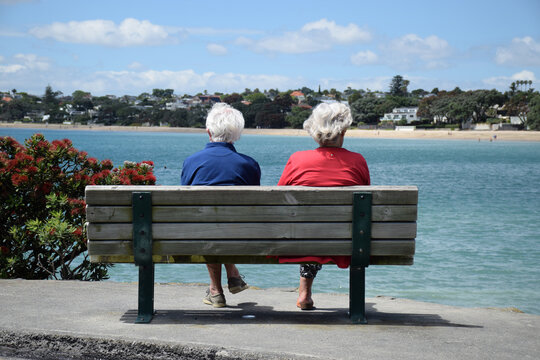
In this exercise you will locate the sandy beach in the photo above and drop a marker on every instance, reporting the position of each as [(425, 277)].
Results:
[(382, 134)]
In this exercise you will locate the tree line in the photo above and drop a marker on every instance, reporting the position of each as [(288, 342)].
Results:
[(275, 109)]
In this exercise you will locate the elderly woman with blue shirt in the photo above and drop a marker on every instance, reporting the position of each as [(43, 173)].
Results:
[(220, 164)]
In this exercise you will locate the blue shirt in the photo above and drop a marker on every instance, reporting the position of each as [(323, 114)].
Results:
[(219, 164)]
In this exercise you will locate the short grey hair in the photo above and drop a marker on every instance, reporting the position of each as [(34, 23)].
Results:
[(328, 121), (224, 123)]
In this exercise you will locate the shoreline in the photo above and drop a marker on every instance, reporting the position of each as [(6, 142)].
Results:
[(476, 135)]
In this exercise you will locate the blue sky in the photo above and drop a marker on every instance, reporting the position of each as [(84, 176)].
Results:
[(129, 47)]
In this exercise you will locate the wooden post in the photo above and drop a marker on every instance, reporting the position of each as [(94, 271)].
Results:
[(361, 249), (142, 252)]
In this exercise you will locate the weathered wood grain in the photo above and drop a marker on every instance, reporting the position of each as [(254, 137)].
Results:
[(251, 213), (171, 231), (247, 247), (250, 195)]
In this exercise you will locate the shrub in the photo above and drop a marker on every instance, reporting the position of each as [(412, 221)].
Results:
[(42, 207)]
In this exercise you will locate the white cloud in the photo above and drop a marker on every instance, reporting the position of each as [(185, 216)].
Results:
[(24, 63), (216, 49), (364, 58), (503, 82), (33, 62), (7, 69), (209, 31), (340, 34), (411, 50), (316, 36), (135, 65), (521, 52), (130, 32)]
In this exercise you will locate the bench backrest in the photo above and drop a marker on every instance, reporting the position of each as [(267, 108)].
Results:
[(251, 221)]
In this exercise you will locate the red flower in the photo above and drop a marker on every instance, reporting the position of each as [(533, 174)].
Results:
[(150, 178), (18, 179), (83, 154), (4, 250), (107, 164), (43, 145)]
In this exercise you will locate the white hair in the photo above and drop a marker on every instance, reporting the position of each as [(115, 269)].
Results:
[(224, 123), (328, 121)]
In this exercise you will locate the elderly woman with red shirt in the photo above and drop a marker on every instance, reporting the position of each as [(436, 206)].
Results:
[(328, 165)]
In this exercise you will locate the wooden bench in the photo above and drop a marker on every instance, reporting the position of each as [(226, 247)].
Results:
[(375, 225)]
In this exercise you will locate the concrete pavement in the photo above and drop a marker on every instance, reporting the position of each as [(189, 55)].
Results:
[(83, 320)]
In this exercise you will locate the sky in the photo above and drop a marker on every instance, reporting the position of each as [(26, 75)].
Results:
[(118, 47)]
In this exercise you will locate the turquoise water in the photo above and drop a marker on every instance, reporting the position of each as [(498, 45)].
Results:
[(478, 241)]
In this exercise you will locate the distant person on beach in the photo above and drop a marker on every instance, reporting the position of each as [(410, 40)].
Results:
[(328, 165), (219, 164)]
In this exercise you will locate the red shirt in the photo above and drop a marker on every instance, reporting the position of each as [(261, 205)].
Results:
[(325, 166)]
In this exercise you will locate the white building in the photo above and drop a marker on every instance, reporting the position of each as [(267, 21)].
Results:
[(403, 113), (178, 104)]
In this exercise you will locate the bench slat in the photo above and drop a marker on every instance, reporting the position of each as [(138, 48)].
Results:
[(113, 259), (237, 247), (387, 230), (248, 195), (316, 213)]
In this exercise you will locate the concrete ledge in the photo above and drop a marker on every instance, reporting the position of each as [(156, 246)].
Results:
[(83, 320), (53, 346)]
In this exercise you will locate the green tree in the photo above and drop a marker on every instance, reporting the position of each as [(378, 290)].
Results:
[(52, 105), (82, 100), (284, 101), (306, 91), (232, 98), (297, 117), (197, 116), (481, 101), (256, 97), (271, 116), (419, 93), (43, 211), (163, 93), (367, 110), (519, 105), (533, 116), (398, 86)]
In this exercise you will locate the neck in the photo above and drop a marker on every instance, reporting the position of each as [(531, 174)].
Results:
[(334, 144)]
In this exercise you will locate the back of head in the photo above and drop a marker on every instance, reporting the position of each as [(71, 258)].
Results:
[(225, 123), (327, 122)]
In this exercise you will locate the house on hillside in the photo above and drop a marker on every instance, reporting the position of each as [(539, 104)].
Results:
[(404, 113), (209, 99), (298, 95), (177, 104)]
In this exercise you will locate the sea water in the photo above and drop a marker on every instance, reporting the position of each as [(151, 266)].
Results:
[(478, 242)]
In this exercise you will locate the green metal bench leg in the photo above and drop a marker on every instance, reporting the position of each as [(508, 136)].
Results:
[(146, 294), (142, 253), (357, 295), (361, 250)]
